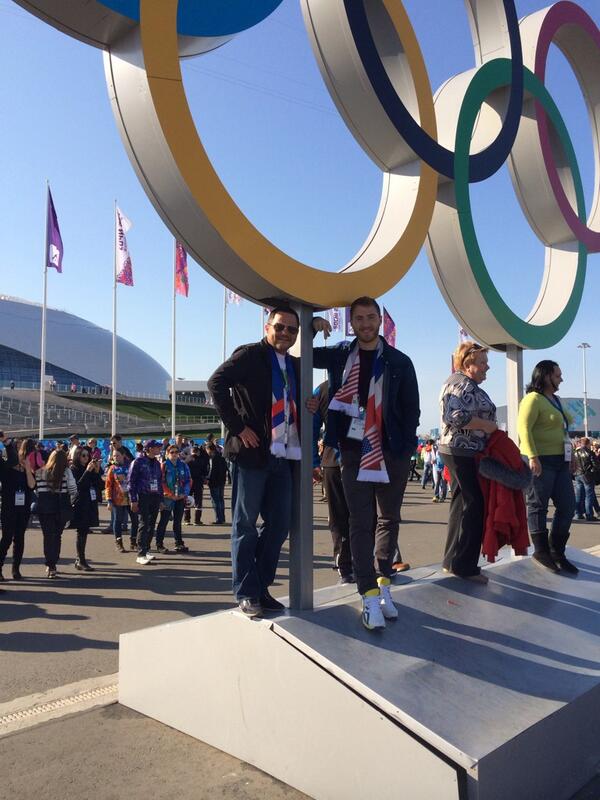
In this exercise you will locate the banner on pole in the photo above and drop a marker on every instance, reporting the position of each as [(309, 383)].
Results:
[(334, 317), (124, 268), (54, 242), (348, 329), (389, 328), (182, 283)]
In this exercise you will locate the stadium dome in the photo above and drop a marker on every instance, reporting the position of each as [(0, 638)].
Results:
[(77, 351)]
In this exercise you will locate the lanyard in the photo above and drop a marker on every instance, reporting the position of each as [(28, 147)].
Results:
[(558, 405)]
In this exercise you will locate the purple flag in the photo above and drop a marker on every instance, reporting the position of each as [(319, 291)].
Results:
[(389, 328), (54, 244), (348, 329)]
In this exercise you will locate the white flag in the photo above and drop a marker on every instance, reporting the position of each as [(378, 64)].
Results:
[(334, 317), (233, 298), (124, 271)]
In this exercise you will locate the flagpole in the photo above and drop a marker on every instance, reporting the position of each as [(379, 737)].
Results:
[(174, 352), (224, 344), (114, 336), (262, 322), (43, 343)]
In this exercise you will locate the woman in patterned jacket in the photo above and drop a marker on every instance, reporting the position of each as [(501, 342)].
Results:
[(468, 419)]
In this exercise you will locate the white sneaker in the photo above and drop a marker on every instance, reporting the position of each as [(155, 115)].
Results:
[(388, 608), (143, 560), (150, 557), (372, 616)]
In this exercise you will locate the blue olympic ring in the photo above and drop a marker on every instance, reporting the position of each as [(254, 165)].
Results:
[(481, 165), (207, 17)]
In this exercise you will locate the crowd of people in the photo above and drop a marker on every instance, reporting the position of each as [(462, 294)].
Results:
[(366, 416), (162, 481)]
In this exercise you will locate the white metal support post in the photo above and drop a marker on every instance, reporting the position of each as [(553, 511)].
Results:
[(113, 404), (224, 344), (43, 350), (583, 347), (301, 535), (174, 345), (514, 388)]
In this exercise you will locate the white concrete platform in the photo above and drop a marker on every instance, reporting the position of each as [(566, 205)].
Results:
[(489, 692)]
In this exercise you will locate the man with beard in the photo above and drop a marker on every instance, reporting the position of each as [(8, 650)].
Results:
[(373, 418)]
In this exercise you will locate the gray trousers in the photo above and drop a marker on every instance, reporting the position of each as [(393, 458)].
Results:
[(374, 516)]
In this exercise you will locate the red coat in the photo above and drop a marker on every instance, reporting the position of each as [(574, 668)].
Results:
[(505, 515)]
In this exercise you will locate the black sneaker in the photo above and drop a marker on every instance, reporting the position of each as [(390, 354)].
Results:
[(346, 579), (181, 548), (17, 575), (162, 549), (545, 560), (250, 607), (269, 603)]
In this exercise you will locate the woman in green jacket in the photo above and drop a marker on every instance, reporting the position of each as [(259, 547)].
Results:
[(544, 440)]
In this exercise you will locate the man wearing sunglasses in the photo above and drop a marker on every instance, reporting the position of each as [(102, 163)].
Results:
[(256, 394)]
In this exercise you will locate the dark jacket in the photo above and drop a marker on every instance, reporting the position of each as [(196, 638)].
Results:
[(85, 509), (586, 464), (13, 480), (199, 466), (241, 389), (218, 471), (400, 396)]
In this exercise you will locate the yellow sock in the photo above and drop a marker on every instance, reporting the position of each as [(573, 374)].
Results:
[(372, 593), (383, 582)]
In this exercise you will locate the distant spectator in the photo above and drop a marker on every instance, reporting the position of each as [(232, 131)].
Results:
[(176, 482), (86, 472), (18, 482), (117, 496), (146, 495), (199, 465), (217, 475), (12, 384), (56, 490), (74, 444)]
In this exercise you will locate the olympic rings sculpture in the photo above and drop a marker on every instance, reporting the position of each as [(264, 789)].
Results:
[(429, 149)]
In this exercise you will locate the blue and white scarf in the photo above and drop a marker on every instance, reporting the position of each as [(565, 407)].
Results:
[(285, 442)]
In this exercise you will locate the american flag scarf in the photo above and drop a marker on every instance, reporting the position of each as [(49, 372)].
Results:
[(372, 464), (285, 442)]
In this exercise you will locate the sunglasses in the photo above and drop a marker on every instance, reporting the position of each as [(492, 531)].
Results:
[(279, 327)]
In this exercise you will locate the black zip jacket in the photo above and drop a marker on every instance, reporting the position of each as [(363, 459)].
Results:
[(241, 389)]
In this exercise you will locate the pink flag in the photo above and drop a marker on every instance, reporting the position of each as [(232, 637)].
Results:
[(182, 284), (233, 298), (123, 269), (389, 328)]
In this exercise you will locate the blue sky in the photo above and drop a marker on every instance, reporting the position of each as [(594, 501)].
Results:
[(288, 160)]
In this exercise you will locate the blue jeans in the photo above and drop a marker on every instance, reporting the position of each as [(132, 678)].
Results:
[(217, 495), (255, 552), (427, 475), (118, 519), (554, 483), (584, 497)]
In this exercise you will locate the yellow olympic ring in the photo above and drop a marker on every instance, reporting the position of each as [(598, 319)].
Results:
[(293, 278)]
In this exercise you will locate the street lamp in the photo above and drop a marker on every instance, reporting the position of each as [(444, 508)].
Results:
[(583, 347)]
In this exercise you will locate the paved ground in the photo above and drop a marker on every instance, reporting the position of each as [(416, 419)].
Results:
[(55, 633)]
